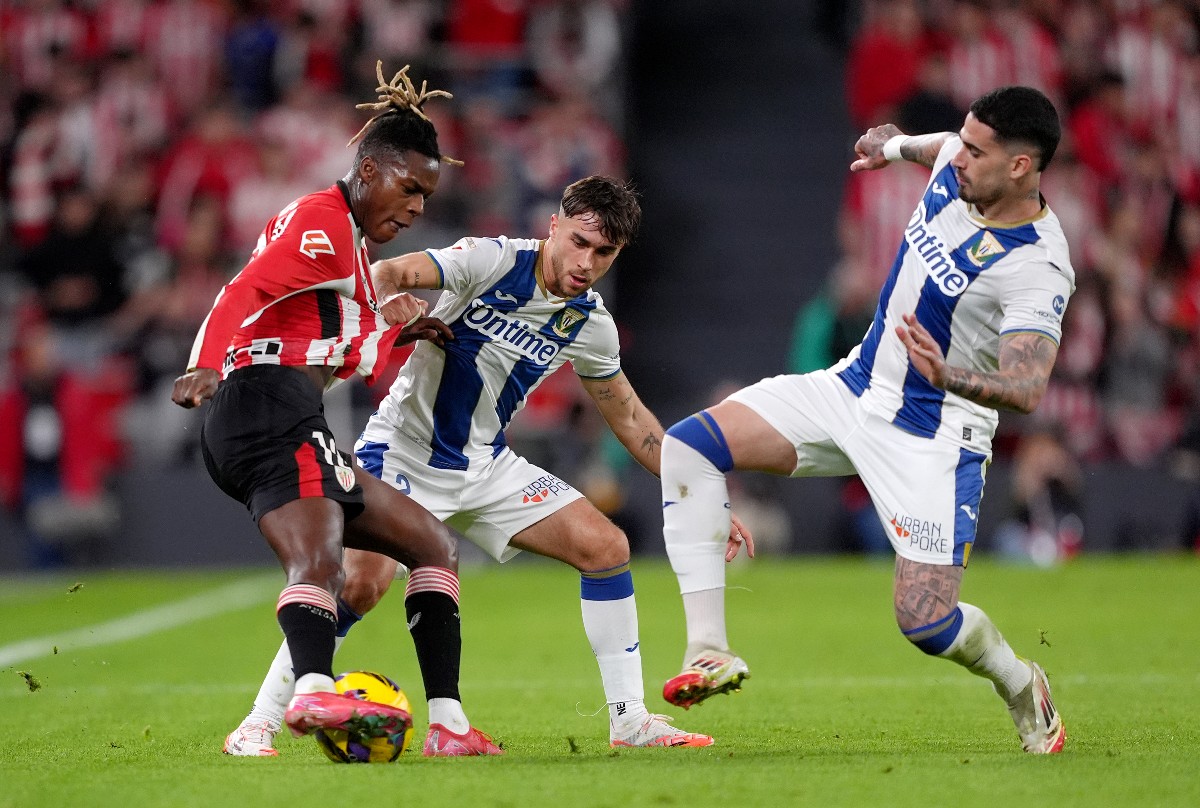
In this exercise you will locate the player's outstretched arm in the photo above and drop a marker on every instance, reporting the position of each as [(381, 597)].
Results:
[(871, 152), (1026, 360)]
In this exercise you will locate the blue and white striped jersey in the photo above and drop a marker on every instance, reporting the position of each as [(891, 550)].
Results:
[(969, 281), (509, 336)]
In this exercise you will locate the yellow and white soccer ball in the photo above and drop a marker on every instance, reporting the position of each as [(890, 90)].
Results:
[(343, 747)]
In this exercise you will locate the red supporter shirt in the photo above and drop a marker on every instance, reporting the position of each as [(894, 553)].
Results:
[(305, 298)]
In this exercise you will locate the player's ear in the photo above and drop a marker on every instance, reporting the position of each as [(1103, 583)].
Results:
[(1022, 164), (367, 169)]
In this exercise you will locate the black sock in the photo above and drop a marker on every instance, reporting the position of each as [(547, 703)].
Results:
[(310, 631), (434, 625)]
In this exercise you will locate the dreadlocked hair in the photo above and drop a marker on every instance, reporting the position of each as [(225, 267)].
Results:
[(399, 124), (613, 202)]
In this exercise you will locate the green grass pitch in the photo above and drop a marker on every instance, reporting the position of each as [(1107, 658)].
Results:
[(117, 689)]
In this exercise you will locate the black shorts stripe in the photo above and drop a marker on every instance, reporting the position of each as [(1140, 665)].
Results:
[(330, 311)]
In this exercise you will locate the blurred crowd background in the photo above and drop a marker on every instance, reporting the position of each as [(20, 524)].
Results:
[(145, 143)]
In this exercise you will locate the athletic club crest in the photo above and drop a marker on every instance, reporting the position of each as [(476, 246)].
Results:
[(345, 476)]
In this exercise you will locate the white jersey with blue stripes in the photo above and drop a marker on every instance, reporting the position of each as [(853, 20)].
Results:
[(509, 335), (969, 281)]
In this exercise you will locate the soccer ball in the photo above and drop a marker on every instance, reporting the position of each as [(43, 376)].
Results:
[(341, 746)]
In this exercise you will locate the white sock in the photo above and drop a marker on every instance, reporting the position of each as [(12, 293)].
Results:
[(315, 683), (980, 648), (449, 713), (278, 686), (695, 529), (612, 629), (705, 613)]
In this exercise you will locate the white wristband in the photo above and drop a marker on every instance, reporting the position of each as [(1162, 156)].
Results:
[(891, 149)]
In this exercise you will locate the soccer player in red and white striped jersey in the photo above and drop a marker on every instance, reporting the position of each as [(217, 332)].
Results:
[(301, 316)]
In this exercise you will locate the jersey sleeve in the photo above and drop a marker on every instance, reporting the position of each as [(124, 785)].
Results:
[(309, 245), (946, 154), (467, 262), (599, 353), (1035, 300)]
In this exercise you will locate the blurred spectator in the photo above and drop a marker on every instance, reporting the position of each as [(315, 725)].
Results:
[(486, 44), (575, 46), (314, 130), (563, 141), (205, 162), (310, 53), (1047, 492), (1150, 50), (183, 40), (931, 107), (399, 32), (980, 57), (884, 61), (257, 196), (1028, 30), (58, 449), (36, 35), (77, 279), (250, 45), (1137, 371), (132, 115)]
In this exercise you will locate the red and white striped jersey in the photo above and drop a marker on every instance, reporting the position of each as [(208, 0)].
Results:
[(304, 298)]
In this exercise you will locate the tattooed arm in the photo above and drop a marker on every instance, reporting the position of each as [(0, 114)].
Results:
[(411, 271), (1026, 360), (633, 424), (920, 149)]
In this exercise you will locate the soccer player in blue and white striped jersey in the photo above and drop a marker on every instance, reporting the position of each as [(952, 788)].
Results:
[(968, 322)]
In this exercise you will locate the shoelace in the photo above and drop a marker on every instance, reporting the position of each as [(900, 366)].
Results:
[(257, 731)]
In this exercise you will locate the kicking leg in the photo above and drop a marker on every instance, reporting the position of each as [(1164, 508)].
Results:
[(306, 535), (696, 454), (931, 616), (368, 576)]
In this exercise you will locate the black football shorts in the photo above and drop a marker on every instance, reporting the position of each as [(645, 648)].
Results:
[(265, 442)]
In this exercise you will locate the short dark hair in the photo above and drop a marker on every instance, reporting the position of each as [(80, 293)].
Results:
[(396, 131), (614, 202), (1021, 114)]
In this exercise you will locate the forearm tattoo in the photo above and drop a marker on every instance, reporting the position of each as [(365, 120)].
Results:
[(924, 593), (651, 445), (924, 149), (1025, 364)]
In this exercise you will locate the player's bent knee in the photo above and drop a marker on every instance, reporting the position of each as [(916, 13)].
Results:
[(934, 638), (700, 432), (364, 588)]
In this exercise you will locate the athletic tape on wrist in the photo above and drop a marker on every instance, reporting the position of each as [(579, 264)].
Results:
[(891, 149)]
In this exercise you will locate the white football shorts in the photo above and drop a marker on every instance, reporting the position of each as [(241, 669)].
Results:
[(489, 506), (926, 492)]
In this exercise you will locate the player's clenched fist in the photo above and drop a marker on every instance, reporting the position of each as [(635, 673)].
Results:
[(402, 308), (193, 388), (869, 147)]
